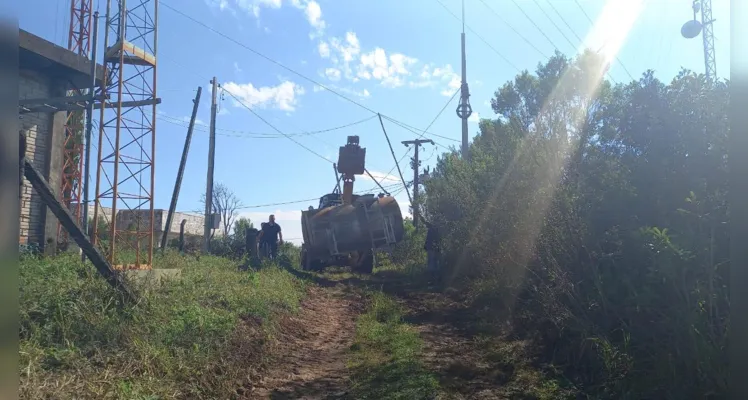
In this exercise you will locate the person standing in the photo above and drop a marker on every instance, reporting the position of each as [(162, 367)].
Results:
[(272, 235)]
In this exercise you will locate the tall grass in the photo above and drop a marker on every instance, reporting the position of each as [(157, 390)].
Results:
[(200, 336), (386, 355)]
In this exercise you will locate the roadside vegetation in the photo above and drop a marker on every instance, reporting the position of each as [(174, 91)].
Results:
[(199, 336), (386, 355), (592, 222)]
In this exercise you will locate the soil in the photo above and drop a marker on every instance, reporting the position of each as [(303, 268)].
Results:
[(312, 349), (313, 346)]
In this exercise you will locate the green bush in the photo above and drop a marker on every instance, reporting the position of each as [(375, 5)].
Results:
[(594, 218)]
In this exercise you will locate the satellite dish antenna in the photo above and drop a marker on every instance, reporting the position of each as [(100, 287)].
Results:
[(691, 29)]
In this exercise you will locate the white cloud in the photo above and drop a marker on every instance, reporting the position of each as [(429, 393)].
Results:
[(474, 117), (313, 14), (237, 69), (283, 97), (391, 70), (310, 8), (324, 49), (332, 74), (381, 177), (361, 94)]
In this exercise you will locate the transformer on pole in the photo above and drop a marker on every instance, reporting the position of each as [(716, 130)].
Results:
[(692, 28), (79, 42), (123, 210)]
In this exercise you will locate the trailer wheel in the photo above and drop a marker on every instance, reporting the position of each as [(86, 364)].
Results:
[(365, 262), (305, 261)]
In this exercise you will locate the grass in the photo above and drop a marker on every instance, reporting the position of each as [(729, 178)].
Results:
[(200, 336), (385, 361)]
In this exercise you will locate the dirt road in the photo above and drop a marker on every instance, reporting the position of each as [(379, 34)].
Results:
[(311, 349)]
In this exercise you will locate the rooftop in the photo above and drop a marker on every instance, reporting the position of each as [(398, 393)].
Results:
[(45, 57)]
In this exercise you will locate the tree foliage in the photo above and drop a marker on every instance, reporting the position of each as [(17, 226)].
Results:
[(593, 216)]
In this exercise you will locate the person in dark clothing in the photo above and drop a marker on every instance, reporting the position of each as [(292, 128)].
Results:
[(261, 244), (432, 246), (271, 234)]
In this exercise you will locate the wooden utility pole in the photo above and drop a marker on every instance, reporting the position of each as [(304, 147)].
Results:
[(416, 166), (211, 163), (180, 172)]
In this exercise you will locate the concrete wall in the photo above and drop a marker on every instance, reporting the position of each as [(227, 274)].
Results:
[(45, 134)]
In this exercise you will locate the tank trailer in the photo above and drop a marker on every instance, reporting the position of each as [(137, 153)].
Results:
[(346, 229)]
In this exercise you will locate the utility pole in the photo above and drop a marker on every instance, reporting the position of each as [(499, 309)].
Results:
[(211, 162), (180, 172), (416, 166), (464, 110)]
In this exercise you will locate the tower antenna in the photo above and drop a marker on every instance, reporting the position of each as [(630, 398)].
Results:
[(692, 28), (464, 111)]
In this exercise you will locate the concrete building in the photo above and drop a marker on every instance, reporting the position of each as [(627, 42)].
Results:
[(46, 71)]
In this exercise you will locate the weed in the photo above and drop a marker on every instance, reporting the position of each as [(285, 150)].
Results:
[(385, 360), (181, 340)]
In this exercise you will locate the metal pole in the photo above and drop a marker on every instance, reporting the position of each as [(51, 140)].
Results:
[(89, 127), (180, 172), (464, 110), (415, 187), (211, 161)]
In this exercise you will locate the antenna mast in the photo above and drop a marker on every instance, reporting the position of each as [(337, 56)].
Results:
[(692, 28), (463, 108)]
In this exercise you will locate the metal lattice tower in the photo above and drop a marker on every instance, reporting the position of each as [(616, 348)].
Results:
[(125, 175), (707, 34), (705, 27), (79, 42)]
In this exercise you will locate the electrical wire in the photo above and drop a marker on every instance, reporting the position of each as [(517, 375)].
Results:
[(550, 3), (271, 60), (536, 25), (245, 207), (274, 127), (504, 21), (502, 56), (592, 24), (259, 135), (573, 46)]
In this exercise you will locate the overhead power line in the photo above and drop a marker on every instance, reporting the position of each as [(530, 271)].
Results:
[(261, 135), (283, 203), (592, 24), (275, 128), (573, 46), (502, 56), (550, 3), (269, 59), (504, 21), (536, 25)]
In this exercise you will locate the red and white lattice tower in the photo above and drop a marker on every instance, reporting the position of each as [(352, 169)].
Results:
[(123, 212), (79, 42)]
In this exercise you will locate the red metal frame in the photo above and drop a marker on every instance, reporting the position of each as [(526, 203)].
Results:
[(79, 42)]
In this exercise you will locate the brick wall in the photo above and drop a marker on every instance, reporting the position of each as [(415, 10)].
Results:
[(38, 128)]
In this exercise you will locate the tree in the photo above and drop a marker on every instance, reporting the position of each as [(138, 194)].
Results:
[(240, 228), (593, 217), (226, 204)]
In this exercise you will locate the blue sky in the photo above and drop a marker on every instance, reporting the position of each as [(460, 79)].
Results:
[(400, 58)]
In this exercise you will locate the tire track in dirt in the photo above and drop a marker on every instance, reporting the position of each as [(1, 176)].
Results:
[(456, 355), (311, 349)]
